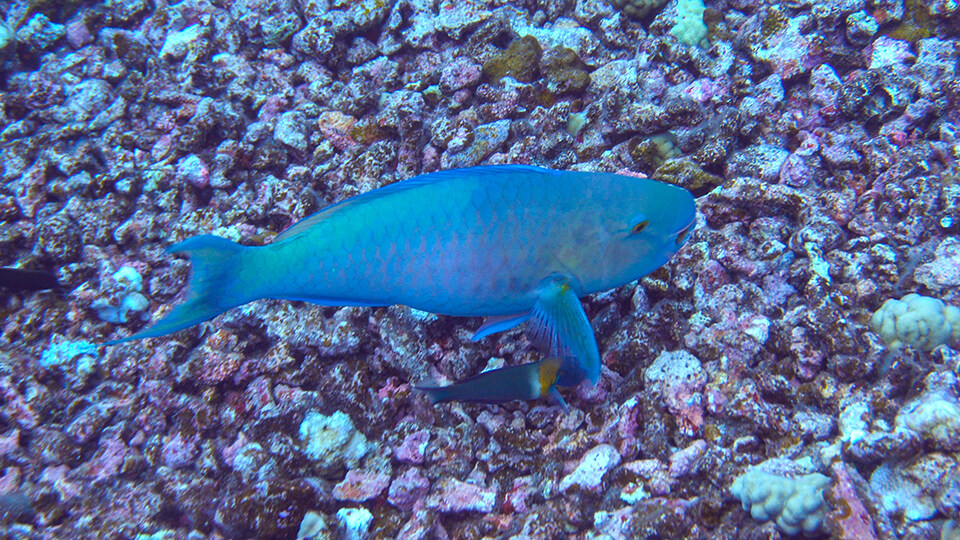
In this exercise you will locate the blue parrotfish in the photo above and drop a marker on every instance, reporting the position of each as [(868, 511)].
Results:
[(512, 243)]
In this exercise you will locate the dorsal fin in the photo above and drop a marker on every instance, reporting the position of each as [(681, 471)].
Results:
[(404, 185)]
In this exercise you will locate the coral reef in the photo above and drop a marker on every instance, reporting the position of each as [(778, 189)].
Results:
[(821, 140)]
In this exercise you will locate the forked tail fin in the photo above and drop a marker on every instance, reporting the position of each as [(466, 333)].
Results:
[(211, 289)]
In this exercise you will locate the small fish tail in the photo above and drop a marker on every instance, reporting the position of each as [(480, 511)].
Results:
[(436, 394), (210, 290)]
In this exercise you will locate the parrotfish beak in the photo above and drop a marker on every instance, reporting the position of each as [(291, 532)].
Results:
[(681, 236)]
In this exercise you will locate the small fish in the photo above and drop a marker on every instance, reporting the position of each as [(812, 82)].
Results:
[(512, 243), (18, 279), (527, 381)]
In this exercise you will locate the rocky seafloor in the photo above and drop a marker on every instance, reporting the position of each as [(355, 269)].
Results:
[(821, 139)]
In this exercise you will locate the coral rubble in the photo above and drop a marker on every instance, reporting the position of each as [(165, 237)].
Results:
[(805, 330)]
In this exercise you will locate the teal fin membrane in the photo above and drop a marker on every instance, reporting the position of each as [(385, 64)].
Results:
[(555, 394), (215, 264), (560, 327)]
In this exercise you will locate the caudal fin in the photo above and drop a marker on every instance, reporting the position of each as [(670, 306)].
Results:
[(210, 291), (436, 394)]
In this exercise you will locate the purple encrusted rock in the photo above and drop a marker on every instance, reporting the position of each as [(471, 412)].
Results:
[(450, 495), (408, 488), (461, 73), (944, 270), (486, 139), (679, 378), (179, 451), (193, 170), (886, 51), (413, 447), (590, 470), (77, 34), (361, 485), (778, 39)]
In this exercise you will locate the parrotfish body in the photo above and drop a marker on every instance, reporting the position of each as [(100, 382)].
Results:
[(509, 242)]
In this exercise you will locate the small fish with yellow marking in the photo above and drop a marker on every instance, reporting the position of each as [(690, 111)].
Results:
[(524, 382)]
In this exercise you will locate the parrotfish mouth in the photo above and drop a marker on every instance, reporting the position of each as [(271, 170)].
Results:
[(684, 233)]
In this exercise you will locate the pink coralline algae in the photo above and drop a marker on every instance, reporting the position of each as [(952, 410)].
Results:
[(408, 488), (849, 517), (450, 495), (413, 447), (589, 472), (679, 378), (360, 486)]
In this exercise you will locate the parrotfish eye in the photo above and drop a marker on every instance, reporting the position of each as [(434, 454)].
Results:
[(639, 227)]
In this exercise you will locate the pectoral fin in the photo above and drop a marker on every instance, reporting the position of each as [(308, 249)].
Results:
[(493, 325), (559, 325), (555, 394)]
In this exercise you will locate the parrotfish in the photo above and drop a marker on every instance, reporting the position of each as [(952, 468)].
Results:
[(512, 243)]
